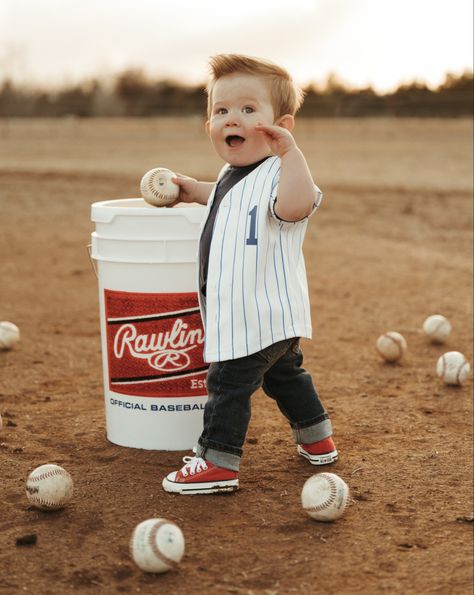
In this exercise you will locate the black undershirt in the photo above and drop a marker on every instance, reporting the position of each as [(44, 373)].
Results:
[(231, 177)]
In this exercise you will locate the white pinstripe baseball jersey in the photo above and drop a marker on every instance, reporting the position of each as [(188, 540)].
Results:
[(257, 292)]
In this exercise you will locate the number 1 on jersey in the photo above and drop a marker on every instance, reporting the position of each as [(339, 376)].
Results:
[(252, 239)]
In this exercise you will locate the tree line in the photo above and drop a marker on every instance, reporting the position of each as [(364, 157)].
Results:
[(133, 94)]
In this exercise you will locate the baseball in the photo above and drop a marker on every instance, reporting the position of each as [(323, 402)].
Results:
[(157, 545), (157, 187), (391, 346), (9, 334), (324, 496), (453, 368), (49, 487), (437, 328)]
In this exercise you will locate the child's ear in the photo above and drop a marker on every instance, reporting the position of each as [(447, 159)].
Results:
[(207, 126), (287, 121)]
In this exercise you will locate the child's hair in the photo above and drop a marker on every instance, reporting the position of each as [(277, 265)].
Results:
[(286, 96)]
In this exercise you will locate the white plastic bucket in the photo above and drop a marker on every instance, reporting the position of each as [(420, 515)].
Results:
[(151, 329)]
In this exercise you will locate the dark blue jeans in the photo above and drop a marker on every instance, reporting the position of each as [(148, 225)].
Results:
[(230, 385)]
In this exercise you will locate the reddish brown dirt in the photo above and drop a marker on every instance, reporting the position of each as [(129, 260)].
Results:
[(380, 256)]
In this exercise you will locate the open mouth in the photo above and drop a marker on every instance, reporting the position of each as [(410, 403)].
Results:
[(233, 140)]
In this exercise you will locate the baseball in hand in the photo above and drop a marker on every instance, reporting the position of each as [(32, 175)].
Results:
[(391, 346), (437, 328), (325, 496), (9, 335), (49, 487), (157, 187), (157, 545), (453, 368)]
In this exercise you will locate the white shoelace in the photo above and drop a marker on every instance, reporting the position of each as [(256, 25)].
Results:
[(193, 465)]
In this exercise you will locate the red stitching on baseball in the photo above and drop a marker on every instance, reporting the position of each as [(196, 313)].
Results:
[(332, 496), (50, 473), (437, 327), (458, 375), (152, 189), (397, 342), (48, 503), (154, 548)]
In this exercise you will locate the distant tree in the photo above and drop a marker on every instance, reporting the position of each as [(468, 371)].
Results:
[(465, 82), (8, 98), (132, 93), (132, 87), (77, 100)]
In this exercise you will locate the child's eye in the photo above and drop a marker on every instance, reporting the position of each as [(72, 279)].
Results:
[(248, 110), (221, 110)]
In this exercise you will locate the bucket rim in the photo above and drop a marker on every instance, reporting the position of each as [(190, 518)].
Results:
[(105, 211), (142, 240)]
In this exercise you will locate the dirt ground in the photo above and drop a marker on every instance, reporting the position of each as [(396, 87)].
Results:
[(391, 245)]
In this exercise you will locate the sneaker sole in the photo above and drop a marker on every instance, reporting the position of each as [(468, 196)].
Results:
[(324, 459), (230, 485)]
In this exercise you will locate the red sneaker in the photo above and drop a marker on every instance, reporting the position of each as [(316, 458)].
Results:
[(201, 477), (319, 453)]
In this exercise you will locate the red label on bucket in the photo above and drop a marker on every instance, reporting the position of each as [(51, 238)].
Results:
[(155, 344)]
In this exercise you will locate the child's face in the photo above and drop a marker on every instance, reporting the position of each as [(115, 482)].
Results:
[(239, 103)]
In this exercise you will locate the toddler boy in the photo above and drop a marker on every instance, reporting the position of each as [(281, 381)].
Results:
[(252, 289)]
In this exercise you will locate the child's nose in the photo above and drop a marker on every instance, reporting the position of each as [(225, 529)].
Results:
[(232, 119)]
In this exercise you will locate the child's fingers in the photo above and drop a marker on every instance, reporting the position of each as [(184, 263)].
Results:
[(179, 180), (268, 127), (262, 128), (272, 131)]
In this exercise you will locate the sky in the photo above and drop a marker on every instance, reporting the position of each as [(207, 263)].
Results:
[(382, 43)]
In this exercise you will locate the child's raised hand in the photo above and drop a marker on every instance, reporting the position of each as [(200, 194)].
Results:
[(280, 140)]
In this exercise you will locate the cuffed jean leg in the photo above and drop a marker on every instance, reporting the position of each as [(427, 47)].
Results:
[(230, 385), (291, 386)]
